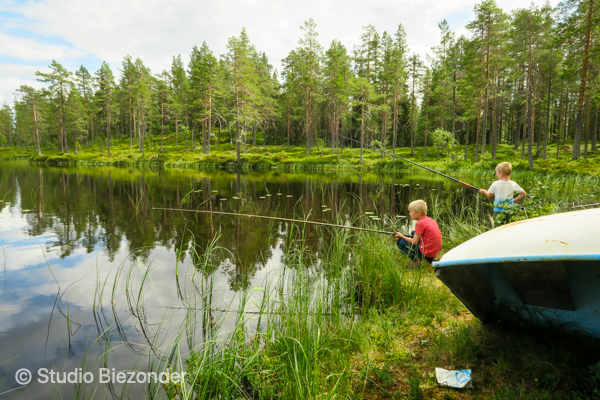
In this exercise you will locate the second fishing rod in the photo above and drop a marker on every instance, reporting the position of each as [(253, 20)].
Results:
[(409, 161)]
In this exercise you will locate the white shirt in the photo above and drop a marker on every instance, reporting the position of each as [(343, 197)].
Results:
[(504, 192)]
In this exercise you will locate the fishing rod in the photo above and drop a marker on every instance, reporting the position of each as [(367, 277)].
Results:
[(414, 163), (276, 218)]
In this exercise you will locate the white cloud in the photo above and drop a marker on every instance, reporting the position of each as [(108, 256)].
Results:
[(33, 50), (12, 76), (155, 31)]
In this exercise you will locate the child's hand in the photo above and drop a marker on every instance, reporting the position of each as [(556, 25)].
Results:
[(482, 191), (398, 235)]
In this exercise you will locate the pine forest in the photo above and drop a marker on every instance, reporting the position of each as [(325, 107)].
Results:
[(526, 78)]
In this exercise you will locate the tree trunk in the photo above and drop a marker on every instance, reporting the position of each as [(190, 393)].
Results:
[(579, 122), (588, 107), (467, 140), (485, 97), (453, 112), (531, 105), (35, 122), (595, 130), (426, 121), (478, 129), (64, 122), (362, 127), (288, 124), (524, 130), (517, 133), (308, 105), (194, 136), (494, 134), (395, 124), (107, 129), (546, 131), (209, 122), (566, 118), (412, 126), (162, 125)]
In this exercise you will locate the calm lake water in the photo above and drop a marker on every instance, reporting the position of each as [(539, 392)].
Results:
[(92, 272)]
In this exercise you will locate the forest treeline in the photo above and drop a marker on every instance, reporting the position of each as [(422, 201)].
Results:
[(523, 78)]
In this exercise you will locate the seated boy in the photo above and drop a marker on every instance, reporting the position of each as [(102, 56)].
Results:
[(503, 190), (426, 239)]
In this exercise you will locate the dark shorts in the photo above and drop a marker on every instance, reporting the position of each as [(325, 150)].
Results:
[(412, 251)]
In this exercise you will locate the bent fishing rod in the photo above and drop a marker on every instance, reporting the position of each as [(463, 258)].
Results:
[(412, 162), (276, 218)]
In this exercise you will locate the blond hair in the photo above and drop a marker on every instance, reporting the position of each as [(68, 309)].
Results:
[(504, 167), (418, 206)]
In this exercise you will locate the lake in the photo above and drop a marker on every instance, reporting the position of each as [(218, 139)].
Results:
[(97, 268)]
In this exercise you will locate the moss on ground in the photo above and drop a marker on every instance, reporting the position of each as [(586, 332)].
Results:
[(295, 158)]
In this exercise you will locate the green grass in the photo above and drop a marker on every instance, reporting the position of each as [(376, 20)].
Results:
[(354, 323), (295, 158)]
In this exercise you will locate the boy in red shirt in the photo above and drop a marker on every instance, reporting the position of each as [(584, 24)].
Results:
[(426, 239)]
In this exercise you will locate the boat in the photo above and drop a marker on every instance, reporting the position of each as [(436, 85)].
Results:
[(542, 271)]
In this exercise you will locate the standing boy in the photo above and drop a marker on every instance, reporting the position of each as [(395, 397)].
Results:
[(503, 190), (426, 239)]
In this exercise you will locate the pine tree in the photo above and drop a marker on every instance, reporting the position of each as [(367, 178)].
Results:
[(415, 66), (309, 70), (29, 97), (85, 84), (104, 95), (60, 82), (337, 80), (180, 87)]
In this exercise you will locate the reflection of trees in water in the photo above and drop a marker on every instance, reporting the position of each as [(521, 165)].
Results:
[(112, 209)]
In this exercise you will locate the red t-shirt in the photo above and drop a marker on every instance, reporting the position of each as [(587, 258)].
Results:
[(431, 237)]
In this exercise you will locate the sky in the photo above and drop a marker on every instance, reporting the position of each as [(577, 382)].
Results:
[(75, 33)]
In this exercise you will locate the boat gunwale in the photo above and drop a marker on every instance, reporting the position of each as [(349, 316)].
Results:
[(528, 258)]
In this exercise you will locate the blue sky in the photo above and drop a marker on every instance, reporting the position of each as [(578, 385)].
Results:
[(33, 33)]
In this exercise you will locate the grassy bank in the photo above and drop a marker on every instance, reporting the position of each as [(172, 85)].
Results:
[(354, 323), (295, 158)]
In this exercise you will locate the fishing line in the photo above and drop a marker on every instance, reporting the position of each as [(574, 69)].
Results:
[(411, 162), (276, 218)]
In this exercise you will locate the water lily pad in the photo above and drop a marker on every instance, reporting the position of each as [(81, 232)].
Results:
[(289, 195), (25, 210), (223, 199), (258, 288), (279, 194), (327, 209), (369, 213), (376, 219), (323, 205), (268, 195), (215, 191), (235, 198), (262, 197)]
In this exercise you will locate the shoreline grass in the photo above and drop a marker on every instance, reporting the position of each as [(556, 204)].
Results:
[(355, 323), (274, 157)]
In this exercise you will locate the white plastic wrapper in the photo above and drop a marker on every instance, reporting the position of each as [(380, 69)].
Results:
[(456, 379)]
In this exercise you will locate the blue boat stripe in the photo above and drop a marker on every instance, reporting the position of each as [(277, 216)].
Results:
[(541, 257)]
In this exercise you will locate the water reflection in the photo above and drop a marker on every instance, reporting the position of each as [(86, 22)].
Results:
[(90, 256)]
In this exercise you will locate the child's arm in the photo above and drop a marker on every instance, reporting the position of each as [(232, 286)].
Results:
[(411, 240), (488, 194), (520, 196)]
